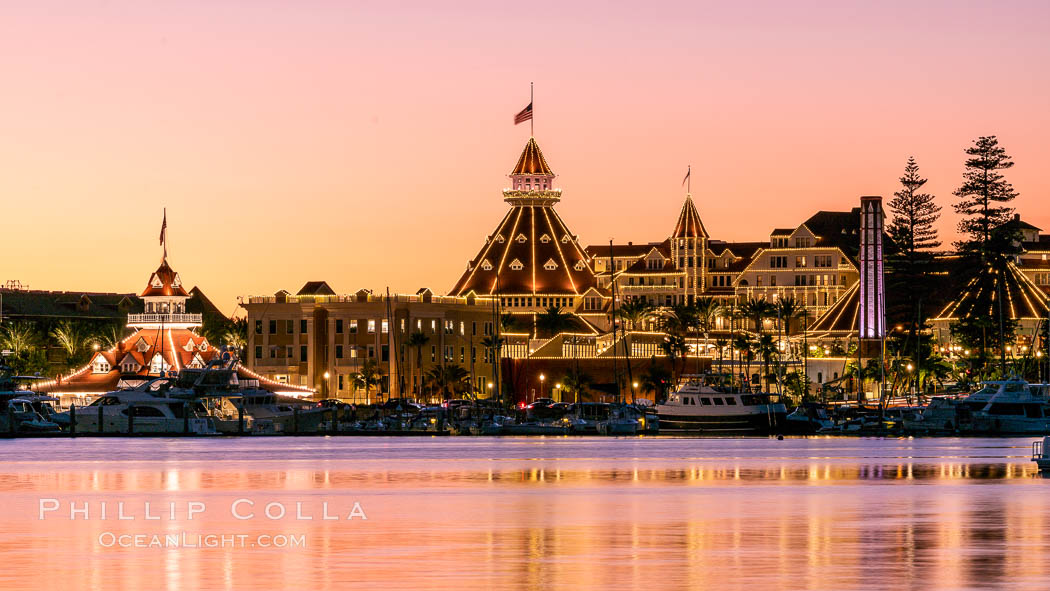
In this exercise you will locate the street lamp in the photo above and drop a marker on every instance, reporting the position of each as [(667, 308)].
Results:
[(542, 377), (558, 387), (634, 392), (326, 376)]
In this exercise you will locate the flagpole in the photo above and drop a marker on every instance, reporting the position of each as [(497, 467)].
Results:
[(532, 120), (689, 180)]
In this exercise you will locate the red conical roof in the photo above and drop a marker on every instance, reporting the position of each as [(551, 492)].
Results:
[(689, 224), (164, 282)]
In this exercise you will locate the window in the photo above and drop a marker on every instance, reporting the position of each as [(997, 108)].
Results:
[(823, 261), (258, 352), (302, 354), (516, 265), (487, 266), (706, 401), (353, 326), (258, 327), (772, 280), (580, 265), (273, 327), (338, 326), (778, 262), (545, 239), (385, 326), (288, 352), (339, 352), (802, 242), (302, 326), (550, 265), (719, 402), (371, 351), (340, 381), (731, 401), (521, 239), (800, 261), (371, 326), (289, 327)]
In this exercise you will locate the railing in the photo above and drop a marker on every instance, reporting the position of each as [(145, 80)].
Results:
[(354, 299), (164, 318)]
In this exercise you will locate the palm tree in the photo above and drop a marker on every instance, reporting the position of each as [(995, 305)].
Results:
[(634, 311), (747, 353), (721, 345), (417, 341), (674, 347), (706, 311), (71, 338), (449, 380), (756, 310), (767, 350), (19, 337), (657, 380), (576, 382), (370, 375), (786, 310), (553, 321)]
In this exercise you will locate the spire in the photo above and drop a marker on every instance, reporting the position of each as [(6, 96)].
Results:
[(689, 224), (531, 161)]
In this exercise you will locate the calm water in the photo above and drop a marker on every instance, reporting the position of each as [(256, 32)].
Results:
[(529, 513)]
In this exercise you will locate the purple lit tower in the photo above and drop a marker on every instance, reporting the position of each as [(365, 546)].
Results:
[(872, 287)]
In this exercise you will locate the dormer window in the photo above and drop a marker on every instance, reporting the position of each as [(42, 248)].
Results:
[(580, 265), (565, 239), (141, 346), (156, 281), (516, 265), (177, 281), (499, 238), (521, 239), (100, 365), (550, 265), (545, 239), (486, 265)]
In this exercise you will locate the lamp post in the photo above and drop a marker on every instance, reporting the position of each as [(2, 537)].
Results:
[(558, 388), (326, 378), (634, 392), (542, 378)]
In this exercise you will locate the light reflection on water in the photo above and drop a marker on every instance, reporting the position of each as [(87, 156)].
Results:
[(539, 513)]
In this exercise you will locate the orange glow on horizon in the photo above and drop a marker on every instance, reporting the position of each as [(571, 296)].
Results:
[(368, 145)]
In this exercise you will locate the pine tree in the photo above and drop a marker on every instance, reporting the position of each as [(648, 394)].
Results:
[(914, 234), (914, 214), (983, 193)]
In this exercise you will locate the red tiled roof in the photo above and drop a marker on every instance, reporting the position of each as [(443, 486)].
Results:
[(170, 284)]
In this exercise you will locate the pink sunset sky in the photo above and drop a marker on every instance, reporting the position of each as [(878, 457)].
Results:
[(366, 143)]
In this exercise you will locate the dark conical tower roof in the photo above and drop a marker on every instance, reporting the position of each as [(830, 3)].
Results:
[(532, 161), (532, 251), (689, 224)]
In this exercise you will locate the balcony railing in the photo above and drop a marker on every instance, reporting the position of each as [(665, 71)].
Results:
[(164, 318)]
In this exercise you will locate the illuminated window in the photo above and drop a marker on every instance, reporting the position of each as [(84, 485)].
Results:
[(521, 238), (371, 326), (516, 265), (550, 265)]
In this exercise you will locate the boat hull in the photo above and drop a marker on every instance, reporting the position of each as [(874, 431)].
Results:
[(738, 424)]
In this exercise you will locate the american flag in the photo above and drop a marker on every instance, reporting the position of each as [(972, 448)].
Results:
[(164, 226), (524, 115)]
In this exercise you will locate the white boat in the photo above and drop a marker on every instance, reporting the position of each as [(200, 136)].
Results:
[(147, 408), (1041, 454), (1010, 407), (698, 408)]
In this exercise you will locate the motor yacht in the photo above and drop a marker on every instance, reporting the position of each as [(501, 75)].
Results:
[(145, 409), (698, 408)]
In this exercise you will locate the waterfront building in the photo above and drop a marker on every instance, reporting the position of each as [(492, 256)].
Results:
[(532, 261), (162, 338), (330, 342)]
